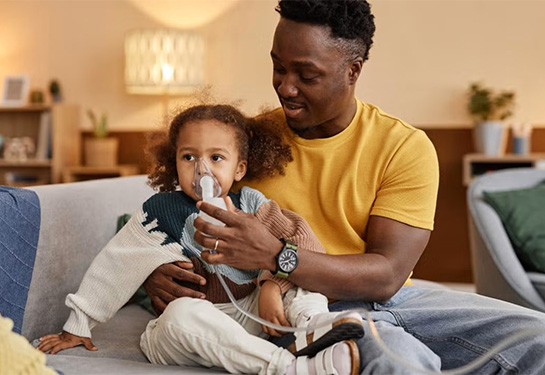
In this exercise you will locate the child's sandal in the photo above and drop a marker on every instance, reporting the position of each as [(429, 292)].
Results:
[(345, 361), (345, 328)]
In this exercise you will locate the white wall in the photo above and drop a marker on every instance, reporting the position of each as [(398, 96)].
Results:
[(425, 55)]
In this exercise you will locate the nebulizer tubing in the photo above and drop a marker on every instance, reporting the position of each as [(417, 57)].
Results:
[(208, 189)]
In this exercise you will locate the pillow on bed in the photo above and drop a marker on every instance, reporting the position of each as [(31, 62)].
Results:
[(522, 213)]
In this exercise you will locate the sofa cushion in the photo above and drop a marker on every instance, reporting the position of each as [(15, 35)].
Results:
[(117, 338), (72, 365), (522, 213)]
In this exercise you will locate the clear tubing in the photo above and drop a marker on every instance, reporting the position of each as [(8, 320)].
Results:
[(471, 366), (266, 322)]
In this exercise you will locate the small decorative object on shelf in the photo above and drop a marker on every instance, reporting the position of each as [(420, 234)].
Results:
[(36, 97), (522, 134), (19, 149), (55, 91), (100, 150), (489, 110), (15, 93)]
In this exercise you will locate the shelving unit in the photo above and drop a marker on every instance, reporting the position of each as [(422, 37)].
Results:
[(62, 145), (478, 164), (81, 173)]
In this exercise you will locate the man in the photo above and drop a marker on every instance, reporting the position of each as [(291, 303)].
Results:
[(367, 184)]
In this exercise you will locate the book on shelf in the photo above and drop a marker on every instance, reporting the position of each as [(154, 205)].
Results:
[(43, 143), (22, 179)]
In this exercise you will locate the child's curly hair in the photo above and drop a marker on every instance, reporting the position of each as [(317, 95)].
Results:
[(259, 141)]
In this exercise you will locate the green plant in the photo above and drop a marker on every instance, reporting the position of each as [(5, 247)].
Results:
[(100, 125), (55, 90), (486, 105), (54, 87)]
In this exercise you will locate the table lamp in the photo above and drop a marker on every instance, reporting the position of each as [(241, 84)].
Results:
[(163, 62)]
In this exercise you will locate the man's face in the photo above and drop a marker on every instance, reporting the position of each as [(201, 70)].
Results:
[(312, 79)]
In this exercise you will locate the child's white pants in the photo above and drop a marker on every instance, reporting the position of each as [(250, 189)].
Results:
[(195, 332)]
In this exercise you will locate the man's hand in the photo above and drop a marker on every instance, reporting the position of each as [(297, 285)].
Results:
[(271, 308), (60, 341), (244, 242), (162, 287)]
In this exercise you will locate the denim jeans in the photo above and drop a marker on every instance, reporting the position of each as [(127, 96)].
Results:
[(442, 329)]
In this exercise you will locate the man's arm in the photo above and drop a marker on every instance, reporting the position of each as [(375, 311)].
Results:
[(393, 248)]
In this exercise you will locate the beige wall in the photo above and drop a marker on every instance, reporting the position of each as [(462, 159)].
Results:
[(425, 54)]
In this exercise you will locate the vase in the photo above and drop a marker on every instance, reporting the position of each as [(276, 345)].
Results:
[(101, 152), (490, 138)]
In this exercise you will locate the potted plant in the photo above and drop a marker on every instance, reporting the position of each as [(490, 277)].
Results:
[(55, 90), (489, 110), (100, 150)]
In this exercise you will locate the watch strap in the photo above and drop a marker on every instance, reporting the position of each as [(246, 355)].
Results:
[(288, 245)]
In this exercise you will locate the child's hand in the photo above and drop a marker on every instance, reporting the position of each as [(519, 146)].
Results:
[(60, 341), (271, 307)]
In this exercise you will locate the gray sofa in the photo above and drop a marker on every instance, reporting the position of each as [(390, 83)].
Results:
[(497, 270), (77, 220)]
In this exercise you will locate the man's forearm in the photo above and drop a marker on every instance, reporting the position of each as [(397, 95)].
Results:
[(349, 277)]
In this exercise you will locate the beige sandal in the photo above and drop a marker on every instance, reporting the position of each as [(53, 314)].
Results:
[(326, 363)]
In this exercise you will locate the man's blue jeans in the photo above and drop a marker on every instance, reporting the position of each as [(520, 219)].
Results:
[(441, 329)]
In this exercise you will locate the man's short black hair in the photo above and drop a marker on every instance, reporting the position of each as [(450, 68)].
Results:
[(350, 21)]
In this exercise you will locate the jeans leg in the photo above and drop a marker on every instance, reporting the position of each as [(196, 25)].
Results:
[(373, 359), (461, 327)]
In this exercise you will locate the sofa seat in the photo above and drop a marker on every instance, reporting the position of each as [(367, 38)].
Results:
[(118, 343)]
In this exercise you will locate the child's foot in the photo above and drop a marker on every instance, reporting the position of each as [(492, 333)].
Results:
[(346, 327), (340, 359)]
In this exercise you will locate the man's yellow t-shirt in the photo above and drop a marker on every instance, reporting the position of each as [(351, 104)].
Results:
[(378, 165)]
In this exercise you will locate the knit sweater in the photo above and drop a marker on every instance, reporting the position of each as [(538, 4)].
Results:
[(17, 356), (160, 232)]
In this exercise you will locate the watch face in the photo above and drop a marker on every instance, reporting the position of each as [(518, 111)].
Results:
[(287, 260)]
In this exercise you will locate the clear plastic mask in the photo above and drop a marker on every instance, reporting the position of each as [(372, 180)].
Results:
[(206, 185)]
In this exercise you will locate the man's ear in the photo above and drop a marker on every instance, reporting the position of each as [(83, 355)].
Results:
[(242, 167), (354, 70)]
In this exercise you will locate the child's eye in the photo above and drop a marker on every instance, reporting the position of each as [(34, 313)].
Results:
[(188, 157), (217, 157)]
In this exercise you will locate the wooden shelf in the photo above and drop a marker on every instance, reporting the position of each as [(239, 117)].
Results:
[(54, 130), (30, 163), (79, 173), (475, 165), (28, 108)]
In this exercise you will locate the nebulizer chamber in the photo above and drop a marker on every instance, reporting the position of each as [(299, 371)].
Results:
[(208, 188)]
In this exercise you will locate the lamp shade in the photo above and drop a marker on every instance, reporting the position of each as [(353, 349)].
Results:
[(163, 61)]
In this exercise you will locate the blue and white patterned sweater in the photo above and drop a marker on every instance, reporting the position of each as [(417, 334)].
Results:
[(160, 232)]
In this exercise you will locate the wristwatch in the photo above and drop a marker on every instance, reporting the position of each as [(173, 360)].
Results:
[(286, 260)]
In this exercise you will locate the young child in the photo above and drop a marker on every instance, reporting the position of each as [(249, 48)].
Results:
[(212, 332)]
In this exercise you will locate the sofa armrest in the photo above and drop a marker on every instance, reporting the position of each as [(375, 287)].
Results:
[(497, 270)]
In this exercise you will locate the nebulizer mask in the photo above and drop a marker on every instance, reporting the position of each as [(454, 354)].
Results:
[(208, 188)]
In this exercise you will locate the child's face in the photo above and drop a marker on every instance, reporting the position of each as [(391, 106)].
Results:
[(216, 143)]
